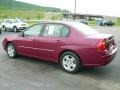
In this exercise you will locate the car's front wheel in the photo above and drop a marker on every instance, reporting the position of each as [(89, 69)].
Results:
[(11, 51), (4, 28), (70, 62)]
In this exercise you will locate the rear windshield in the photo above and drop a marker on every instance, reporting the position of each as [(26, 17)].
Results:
[(86, 30)]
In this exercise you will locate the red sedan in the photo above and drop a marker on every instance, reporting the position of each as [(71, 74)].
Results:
[(72, 44)]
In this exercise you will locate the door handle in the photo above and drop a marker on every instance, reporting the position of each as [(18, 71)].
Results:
[(59, 41)]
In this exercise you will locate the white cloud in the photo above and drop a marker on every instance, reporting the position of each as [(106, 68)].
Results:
[(102, 7)]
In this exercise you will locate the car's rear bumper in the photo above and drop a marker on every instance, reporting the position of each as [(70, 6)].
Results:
[(102, 60), (108, 58)]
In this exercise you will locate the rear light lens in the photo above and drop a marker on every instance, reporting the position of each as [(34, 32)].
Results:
[(101, 45)]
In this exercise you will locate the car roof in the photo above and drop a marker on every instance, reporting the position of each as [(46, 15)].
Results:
[(59, 22)]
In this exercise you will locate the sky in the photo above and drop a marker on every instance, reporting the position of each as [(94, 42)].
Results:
[(98, 7)]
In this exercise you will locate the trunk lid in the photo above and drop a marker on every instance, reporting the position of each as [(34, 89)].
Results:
[(107, 38)]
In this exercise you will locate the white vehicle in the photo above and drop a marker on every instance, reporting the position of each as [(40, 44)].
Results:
[(13, 24), (0, 29)]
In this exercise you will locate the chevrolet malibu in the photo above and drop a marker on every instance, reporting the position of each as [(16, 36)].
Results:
[(71, 44)]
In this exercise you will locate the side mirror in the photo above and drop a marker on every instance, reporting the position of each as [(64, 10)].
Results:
[(21, 34)]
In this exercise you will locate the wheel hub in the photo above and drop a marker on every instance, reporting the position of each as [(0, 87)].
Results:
[(69, 62), (10, 51)]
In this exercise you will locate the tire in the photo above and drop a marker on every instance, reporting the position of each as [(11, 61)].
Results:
[(15, 29), (4, 28), (70, 62), (11, 50)]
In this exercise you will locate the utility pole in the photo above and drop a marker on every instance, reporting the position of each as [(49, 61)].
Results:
[(74, 10), (75, 7)]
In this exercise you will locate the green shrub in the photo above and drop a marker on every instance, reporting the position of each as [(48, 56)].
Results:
[(118, 21), (40, 15)]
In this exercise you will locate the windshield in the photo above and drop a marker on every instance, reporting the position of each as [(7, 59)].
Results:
[(13, 21), (86, 30), (17, 21)]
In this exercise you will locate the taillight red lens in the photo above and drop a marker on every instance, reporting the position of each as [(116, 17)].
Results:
[(101, 45)]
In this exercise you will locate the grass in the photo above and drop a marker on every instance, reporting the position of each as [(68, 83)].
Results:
[(21, 14), (31, 22), (92, 23)]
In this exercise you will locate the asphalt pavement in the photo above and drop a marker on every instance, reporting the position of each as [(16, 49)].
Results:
[(25, 73)]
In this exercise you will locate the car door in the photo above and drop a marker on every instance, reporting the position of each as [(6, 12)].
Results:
[(26, 43), (50, 41), (7, 23)]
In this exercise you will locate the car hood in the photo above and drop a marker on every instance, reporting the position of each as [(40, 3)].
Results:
[(12, 37)]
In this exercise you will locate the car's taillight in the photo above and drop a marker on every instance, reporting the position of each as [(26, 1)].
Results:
[(101, 45)]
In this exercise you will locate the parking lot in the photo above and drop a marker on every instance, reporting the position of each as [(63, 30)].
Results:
[(25, 73)]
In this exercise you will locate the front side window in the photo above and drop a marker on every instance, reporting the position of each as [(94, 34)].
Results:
[(7, 21), (53, 30), (33, 30)]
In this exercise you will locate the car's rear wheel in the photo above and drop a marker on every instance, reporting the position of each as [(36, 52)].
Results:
[(11, 51), (70, 62), (15, 29)]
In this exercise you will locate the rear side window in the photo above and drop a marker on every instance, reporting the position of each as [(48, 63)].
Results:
[(53, 30), (65, 32)]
